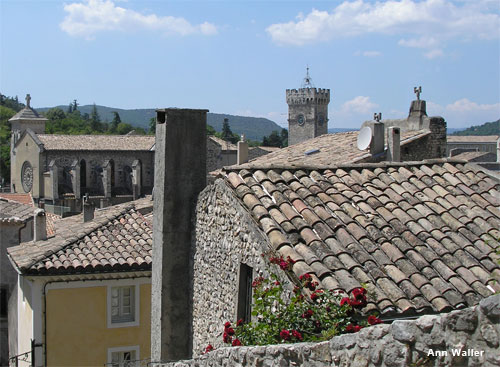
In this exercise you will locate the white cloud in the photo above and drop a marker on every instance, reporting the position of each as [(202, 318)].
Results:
[(372, 53), (429, 24), (464, 105), (360, 105), (86, 19), (464, 113)]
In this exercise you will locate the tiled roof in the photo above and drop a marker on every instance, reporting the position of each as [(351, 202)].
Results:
[(475, 156), (27, 113), (10, 210), (326, 150), (118, 239), (421, 236), (97, 142), (20, 198), (226, 145), (472, 139)]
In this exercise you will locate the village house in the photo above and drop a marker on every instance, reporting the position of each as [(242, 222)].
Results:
[(84, 295)]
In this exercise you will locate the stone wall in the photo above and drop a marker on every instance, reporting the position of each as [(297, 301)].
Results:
[(403, 343), (94, 162), (226, 236)]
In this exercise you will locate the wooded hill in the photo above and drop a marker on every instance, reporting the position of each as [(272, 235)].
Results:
[(488, 128), (254, 128)]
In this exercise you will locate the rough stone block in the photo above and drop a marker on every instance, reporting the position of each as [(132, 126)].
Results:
[(404, 331), (395, 355), (426, 322), (491, 307)]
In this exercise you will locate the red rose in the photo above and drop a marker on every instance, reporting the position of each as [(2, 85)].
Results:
[(285, 334), (209, 348), (226, 338), (374, 320), (307, 314), (240, 322), (230, 331), (351, 328), (236, 343), (344, 301), (227, 325), (297, 335)]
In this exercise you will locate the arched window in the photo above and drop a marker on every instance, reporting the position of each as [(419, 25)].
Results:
[(83, 175)]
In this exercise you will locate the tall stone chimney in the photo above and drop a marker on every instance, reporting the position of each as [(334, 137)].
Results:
[(40, 226), (394, 144), (242, 153), (88, 210), (180, 174)]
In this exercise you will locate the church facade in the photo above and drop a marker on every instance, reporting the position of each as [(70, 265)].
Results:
[(58, 170)]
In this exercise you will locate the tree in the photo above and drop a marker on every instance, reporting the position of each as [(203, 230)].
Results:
[(70, 108), (227, 134), (95, 119), (124, 128), (75, 105), (152, 125), (210, 130), (226, 130), (116, 121), (276, 140), (55, 114)]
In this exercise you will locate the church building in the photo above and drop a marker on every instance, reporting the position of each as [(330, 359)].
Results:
[(58, 170)]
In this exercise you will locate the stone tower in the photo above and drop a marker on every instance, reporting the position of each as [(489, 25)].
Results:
[(307, 111)]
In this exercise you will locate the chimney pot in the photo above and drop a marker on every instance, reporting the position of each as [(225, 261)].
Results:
[(40, 225), (377, 143), (88, 211), (242, 156), (393, 144)]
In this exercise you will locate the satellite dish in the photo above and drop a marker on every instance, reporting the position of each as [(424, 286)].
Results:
[(364, 138)]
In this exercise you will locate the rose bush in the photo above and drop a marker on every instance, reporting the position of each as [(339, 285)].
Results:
[(308, 314)]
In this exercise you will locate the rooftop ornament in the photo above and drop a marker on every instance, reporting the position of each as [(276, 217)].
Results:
[(417, 91), (28, 99), (307, 82)]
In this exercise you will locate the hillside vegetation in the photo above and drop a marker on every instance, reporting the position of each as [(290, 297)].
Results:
[(254, 128), (488, 128)]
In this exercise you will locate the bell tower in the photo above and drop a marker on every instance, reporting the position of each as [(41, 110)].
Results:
[(307, 111)]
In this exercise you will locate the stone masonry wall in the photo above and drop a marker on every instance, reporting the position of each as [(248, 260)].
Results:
[(225, 237), (403, 343)]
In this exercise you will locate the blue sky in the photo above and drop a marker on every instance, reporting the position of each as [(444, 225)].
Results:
[(239, 57)]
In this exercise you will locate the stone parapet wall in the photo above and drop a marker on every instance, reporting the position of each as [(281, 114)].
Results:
[(427, 341)]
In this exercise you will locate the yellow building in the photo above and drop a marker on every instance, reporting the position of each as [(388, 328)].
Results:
[(84, 295)]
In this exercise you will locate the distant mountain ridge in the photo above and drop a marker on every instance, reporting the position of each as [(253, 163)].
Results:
[(254, 128), (488, 128)]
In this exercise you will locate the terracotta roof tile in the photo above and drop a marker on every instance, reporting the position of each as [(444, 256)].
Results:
[(410, 231), (103, 243)]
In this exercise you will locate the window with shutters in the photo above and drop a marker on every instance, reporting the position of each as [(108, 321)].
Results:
[(123, 306)]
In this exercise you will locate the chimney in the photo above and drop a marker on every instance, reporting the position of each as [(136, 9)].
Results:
[(498, 150), (88, 210), (242, 156), (40, 225), (180, 175), (393, 144)]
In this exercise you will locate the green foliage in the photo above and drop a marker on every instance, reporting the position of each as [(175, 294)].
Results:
[(308, 315), (276, 139), (11, 102), (488, 128), (95, 120), (5, 114), (152, 125), (55, 114), (116, 121), (210, 130)]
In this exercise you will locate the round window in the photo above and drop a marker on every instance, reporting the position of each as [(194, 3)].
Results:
[(27, 176)]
